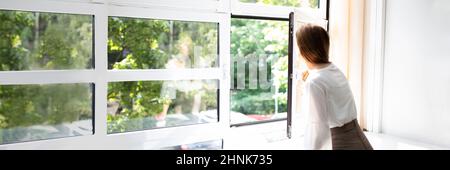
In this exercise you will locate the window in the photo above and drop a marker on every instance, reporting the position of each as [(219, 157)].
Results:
[(142, 69), (34, 41), (45, 41), (151, 44), (35, 112), (259, 70), (155, 69), (289, 12), (145, 105), (161, 44), (294, 3)]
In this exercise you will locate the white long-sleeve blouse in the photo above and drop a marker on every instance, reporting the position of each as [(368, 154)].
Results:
[(327, 102)]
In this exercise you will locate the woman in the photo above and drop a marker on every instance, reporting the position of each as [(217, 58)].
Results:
[(327, 100)]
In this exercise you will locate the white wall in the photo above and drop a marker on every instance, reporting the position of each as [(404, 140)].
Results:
[(346, 28), (416, 87)]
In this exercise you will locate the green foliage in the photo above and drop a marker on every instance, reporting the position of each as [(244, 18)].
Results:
[(13, 26), (152, 44), (133, 43), (34, 41), (66, 43), (44, 41), (3, 123), (125, 123), (48, 104), (29, 105), (261, 39), (137, 99)]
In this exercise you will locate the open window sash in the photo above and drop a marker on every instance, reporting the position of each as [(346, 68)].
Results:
[(297, 19)]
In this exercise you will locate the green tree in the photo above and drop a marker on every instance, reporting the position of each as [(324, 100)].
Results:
[(149, 44), (261, 39), (35, 41)]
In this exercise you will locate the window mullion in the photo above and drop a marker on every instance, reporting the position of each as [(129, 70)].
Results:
[(101, 67)]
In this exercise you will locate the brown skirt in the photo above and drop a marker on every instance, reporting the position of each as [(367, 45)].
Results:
[(349, 137)]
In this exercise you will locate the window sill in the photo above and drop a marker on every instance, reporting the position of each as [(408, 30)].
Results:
[(269, 137)]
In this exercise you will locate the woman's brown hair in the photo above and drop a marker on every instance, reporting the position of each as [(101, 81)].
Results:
[(314, 44)]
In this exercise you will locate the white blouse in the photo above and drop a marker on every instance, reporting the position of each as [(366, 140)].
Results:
[(327, 102)]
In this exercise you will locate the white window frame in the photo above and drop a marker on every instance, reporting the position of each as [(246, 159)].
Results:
[(100, 76), (218, 11), (271, 11), (281, 12)]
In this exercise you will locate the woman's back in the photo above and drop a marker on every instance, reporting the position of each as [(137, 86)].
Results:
[(340, 104)]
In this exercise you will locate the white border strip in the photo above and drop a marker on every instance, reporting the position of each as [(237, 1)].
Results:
[(52, 6), (147, 75), (157, 13), (47, 77), (260, 10), (197, 5), (148, 139)]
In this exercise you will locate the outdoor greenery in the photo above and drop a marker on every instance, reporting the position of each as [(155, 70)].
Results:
[(50, 41), (157, 44), (261, 39), (43, 41)]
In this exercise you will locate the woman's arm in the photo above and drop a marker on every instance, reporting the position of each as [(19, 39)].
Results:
[(318, 135)]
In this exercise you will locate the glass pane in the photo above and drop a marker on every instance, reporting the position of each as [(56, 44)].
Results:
[(36, 112), (259, 70), (207, 145), (144, 105), (45, 41), (161, 44), (294, 3)]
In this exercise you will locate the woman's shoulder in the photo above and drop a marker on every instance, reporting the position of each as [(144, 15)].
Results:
[(328, 77), (316, 80)]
